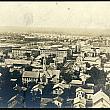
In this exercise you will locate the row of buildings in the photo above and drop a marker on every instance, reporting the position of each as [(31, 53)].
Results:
[(49, 64)]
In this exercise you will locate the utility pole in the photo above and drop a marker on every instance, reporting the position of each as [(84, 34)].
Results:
[(24, 95)]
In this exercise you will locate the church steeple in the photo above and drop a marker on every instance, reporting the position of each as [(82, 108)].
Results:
[(44, 63), (78, 46)]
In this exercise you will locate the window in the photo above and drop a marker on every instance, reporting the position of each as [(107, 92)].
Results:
[(56, 91), (58, 104), (83, 95), (80, 97)]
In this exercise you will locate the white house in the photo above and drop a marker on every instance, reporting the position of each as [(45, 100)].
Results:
[(80, 100), (101, 100), (58, 89)]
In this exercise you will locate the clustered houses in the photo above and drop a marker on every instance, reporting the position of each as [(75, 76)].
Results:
[(61, 74)]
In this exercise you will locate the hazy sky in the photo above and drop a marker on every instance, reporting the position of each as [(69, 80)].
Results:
[(56, 14)]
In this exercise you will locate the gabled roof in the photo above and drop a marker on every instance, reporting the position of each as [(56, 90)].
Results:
[(80, 89), (50, 73), (17, 97), (99, 95), (38, 86), (58, 85), (40, 56), (63, 82), (13, 98), (54, 72), (35, 74)]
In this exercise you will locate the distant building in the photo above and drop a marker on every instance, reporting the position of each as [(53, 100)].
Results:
[(59, 52), (14, 64), (43, 75), (17, 62), (93, 61), (20, 52), (29, 76)]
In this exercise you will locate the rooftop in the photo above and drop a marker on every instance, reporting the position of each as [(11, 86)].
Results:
[(30, 74), (99, 95), (14, 61), (58, 85), (91, 58), (39, 86), (76, 82)]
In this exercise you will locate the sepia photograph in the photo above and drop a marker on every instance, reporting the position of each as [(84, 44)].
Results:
[(55, 54)]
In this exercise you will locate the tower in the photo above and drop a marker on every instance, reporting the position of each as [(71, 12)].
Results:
[(44, 63), (78, 46)]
